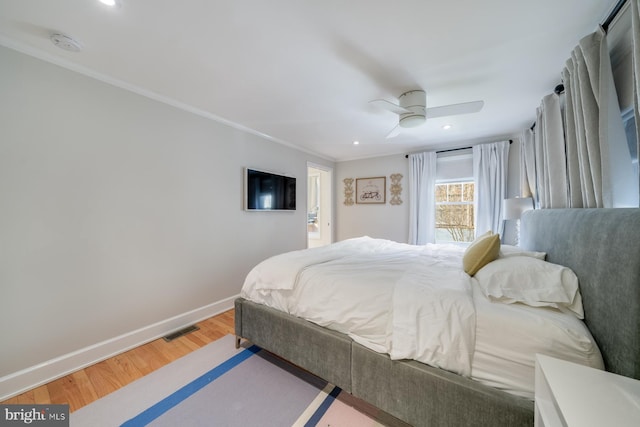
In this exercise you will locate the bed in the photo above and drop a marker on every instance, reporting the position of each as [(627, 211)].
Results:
[(602, 248)]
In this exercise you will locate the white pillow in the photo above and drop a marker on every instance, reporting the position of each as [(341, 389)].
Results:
[(531, 281), (509, 250)]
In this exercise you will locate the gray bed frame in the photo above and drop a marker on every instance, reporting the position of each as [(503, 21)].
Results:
[(602, 246)]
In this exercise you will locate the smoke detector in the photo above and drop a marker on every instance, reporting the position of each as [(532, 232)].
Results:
[(66, 42)]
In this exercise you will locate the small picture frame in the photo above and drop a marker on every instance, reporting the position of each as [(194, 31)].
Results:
[(371, 190)]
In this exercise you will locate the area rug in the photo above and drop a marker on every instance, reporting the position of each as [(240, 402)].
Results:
[(219, 385)]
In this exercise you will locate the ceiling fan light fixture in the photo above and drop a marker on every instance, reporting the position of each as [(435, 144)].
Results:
[(414, 103), (412, 110), (412, 121)]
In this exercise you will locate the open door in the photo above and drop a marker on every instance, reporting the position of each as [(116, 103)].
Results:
[(319, 205)]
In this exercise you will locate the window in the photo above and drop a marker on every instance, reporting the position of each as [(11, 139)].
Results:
[(455, 220), (629, 121)]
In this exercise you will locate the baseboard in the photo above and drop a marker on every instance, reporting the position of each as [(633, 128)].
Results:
[(34, 376)]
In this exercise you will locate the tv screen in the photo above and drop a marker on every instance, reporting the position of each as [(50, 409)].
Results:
[(266, 191)]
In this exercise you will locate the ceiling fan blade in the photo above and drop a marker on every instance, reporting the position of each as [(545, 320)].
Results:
[(384, 104), (394, 132), (455, 109)]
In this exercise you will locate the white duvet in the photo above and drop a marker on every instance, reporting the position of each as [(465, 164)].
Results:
[(416, 302), (411, 302)]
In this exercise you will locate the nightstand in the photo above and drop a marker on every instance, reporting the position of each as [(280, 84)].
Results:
[(568, 394)]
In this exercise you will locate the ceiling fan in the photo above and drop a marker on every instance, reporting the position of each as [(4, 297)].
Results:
[(412, 111)]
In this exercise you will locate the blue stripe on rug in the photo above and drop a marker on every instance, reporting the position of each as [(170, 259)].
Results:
[(322, 409), (185, 392)]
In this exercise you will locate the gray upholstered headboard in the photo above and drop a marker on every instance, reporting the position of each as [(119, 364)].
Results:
[(602, 246)]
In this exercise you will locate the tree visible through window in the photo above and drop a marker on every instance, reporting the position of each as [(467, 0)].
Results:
[(455, 221)]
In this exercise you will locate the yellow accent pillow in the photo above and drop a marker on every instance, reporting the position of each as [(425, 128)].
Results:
[(481, 252)]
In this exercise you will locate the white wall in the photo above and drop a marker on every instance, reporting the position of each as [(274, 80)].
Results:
[(119, 213), (381, 221)]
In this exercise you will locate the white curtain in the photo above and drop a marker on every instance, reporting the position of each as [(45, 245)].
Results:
[(585, 137), (580, 151), (599, 168), (528, 185), (422, 203), (550, 160), (490, 175)]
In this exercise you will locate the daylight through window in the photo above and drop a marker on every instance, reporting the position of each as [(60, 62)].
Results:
[(455, 220)]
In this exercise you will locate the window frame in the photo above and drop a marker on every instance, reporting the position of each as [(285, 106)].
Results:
[(461, 181)]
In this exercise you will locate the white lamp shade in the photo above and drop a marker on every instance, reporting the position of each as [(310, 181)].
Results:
[(513, 208)]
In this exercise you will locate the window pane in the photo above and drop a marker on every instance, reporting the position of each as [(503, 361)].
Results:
[(468, 192), (455, 220), (455, 192), (441, 193), (630, 131)]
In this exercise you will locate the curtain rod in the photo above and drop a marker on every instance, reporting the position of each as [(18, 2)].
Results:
[(406, 156), (614, 12)]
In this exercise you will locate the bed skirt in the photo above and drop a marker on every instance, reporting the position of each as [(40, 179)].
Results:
[(410, 391)]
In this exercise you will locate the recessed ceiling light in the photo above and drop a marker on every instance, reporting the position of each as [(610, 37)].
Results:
[(447, 127), (356, 142), (111, 3)]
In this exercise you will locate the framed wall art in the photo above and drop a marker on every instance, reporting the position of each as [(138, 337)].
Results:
[(371, 190), (395, 189), (348, 191)]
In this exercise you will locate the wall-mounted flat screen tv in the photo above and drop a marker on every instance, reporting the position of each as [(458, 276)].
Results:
[(267, 191)]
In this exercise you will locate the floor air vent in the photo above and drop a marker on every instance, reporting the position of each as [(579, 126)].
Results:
[(180, 333)]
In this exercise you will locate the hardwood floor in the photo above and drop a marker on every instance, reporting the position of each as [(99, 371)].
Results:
[(86, 385)]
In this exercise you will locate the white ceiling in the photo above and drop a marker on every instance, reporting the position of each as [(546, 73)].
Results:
[(301, 72)]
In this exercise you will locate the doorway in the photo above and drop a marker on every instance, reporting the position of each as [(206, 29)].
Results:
[(319, 205)]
